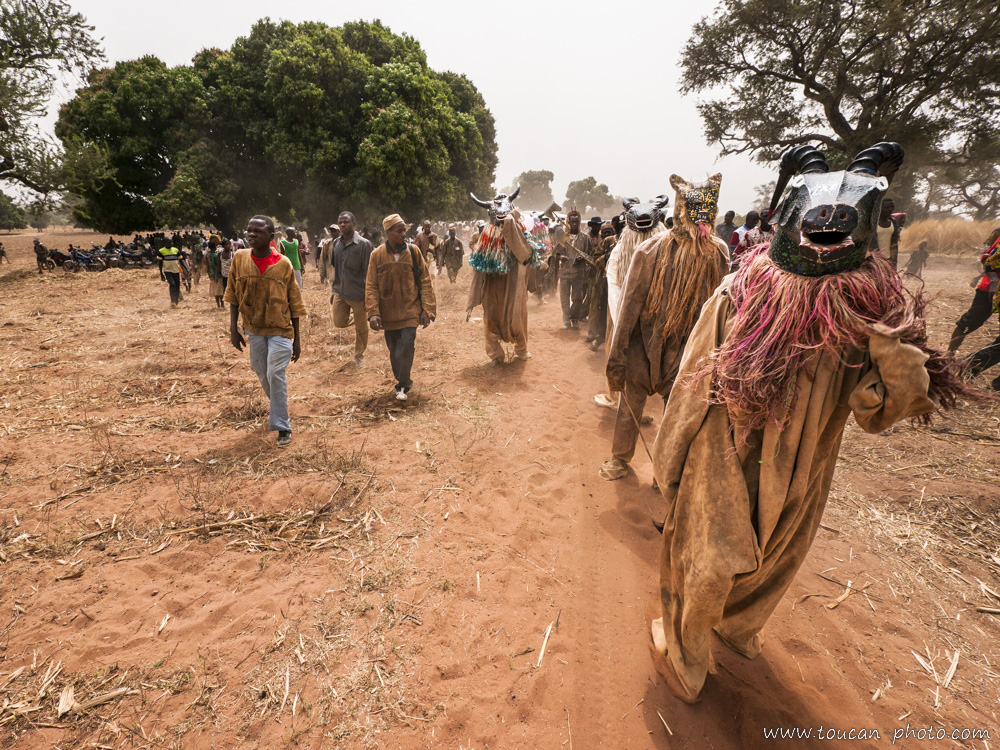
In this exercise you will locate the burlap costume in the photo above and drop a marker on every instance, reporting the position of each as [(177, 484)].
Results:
[(785, 350), (504, 297), (680, 269), (740, 520)]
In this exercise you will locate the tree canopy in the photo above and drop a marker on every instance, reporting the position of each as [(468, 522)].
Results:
[(590, 198), (846, 75), (968, 180), (536, 189), (12, 216), (39, 39), (299, 121)]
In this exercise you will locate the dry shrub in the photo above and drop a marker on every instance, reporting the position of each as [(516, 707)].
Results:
[(245, 408), (947, 236), (17, 276)]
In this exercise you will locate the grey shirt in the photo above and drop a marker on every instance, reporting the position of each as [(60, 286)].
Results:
[(350, 267)]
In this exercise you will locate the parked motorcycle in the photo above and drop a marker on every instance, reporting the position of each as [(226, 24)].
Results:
[(56, 258), (88, 262)]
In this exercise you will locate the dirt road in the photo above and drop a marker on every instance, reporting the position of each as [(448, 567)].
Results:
[(389, 581)]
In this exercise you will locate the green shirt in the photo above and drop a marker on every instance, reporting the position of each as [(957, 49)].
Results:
[(291, 251)]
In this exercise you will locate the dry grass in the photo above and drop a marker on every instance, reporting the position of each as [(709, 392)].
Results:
[(340, 670), (943, 558), (16, 276), (947, 237), (43, 695)]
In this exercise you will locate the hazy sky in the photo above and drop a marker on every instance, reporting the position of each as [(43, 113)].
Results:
[(549, 72)]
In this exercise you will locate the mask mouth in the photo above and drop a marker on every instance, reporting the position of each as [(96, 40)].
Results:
[(826, 241), (826, 246), (642, 222)]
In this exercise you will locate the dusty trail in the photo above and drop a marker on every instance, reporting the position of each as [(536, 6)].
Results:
[(596, 684), (595, 541)]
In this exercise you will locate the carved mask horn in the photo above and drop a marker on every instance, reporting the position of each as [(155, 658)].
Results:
[(628, 202), (513, 195), (881, 159), (484, 204), (804, 159), (662, 200)]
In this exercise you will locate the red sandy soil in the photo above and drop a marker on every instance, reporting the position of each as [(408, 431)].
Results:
[(401, 565)]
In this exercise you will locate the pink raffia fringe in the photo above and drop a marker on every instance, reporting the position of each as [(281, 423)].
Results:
[(782, 321)]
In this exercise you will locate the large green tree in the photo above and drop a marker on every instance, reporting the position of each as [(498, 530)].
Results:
[(126, 133), (39, 39), (295, 120), (589, 197), (845, 75), (12, 216), (536, 189)]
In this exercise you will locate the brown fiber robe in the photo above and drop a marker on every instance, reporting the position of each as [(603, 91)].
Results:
[(504, 297), (740, 520), (642, 359)]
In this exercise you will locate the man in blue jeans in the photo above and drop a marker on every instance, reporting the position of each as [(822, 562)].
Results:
[(263, 289)]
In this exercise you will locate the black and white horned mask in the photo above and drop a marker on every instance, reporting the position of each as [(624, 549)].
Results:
[(500, 206)]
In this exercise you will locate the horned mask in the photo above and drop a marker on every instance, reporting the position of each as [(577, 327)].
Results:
[(641, 217), (500, 206), (826, 220)]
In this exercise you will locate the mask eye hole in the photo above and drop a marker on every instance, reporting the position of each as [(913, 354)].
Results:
[(843, 216)]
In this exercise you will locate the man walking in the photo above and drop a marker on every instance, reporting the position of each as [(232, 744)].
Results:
[(289, 247), (170, 271), (351, 253), (982, 303), (597, 320), (399, 295), (324, 259), (452, 253), (572, 248), (429, 244), (263, 288)]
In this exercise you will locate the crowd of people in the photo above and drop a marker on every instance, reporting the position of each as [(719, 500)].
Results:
[(390, 287)]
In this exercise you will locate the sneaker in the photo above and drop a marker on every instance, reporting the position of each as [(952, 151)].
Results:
[(523, 355), (284, 438), (401, 395)]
